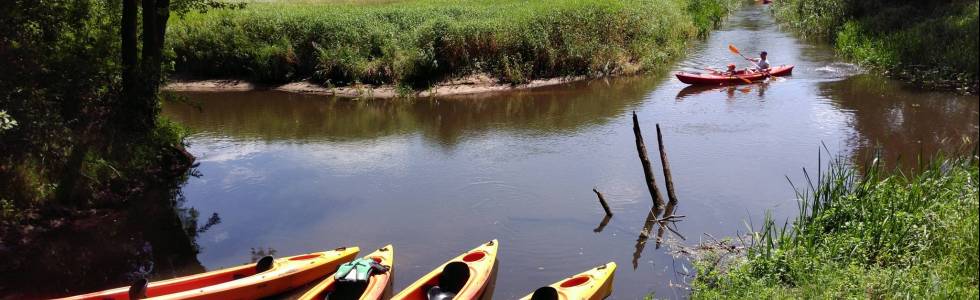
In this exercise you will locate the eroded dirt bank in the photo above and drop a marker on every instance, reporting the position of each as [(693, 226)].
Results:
[(472, 84)]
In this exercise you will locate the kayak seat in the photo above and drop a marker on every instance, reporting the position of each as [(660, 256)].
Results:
[(137, 290), (348, 290), (452, 279), (264, 264), (545, 293)]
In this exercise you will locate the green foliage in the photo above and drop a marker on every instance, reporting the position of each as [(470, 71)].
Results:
[(59, 90), (866, 235), (418, 43), (929, 42), (6, 122)]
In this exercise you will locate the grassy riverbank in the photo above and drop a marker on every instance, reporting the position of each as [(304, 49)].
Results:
[(931, 43), (869, 235), (414, 44)]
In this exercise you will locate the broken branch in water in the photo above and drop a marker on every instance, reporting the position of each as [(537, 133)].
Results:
[(663, 160), (671, 218), (602, 201), (641, 150)]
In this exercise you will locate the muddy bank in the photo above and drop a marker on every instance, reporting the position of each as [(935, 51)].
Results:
[(473, 84)]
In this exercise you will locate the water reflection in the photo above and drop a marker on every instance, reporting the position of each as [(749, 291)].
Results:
[(731, 91), (664, 222), (602, 224), (902, 121), (285, 116), (153, 238)]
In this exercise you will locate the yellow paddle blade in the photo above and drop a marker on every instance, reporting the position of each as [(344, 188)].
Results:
[(733, 49)]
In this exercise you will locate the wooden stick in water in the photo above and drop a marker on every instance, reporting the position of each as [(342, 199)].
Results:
[(641, 150), (663, 160), (602, 200)]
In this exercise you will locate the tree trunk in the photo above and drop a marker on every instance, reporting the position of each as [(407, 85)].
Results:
[(129, 49)]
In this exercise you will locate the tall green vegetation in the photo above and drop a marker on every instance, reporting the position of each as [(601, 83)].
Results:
[(78, 96), (869, 234), (87, 167), (417, 43), (929, 42)]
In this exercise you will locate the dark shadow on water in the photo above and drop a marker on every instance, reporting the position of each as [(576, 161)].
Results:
[(152, 237)]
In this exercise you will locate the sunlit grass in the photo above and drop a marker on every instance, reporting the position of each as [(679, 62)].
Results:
[(931, 42), (418, 43), (866, 234)]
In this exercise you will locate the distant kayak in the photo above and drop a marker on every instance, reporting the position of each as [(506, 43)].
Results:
[(466, 277), (378, 285), (252, 281), (594, 284), (740, 77)]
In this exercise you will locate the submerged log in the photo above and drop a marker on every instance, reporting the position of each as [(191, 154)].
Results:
[(663, 160), (641, 150)]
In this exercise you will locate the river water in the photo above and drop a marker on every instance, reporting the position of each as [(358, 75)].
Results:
[(298, 173)]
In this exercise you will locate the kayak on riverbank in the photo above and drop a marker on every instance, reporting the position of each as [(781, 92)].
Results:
[(264, 278), (743, 76)]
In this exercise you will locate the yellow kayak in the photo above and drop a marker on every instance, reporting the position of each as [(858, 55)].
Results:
[(378, 286), (594, 284), (467, 277)]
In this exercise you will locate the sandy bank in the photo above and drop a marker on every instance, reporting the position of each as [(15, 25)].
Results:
[(472, 84)]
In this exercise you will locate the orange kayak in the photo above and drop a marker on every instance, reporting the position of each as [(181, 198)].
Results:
[(466, 277), (378, 286), (252, 281)]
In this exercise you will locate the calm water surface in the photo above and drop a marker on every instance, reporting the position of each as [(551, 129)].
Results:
[(435, 177)]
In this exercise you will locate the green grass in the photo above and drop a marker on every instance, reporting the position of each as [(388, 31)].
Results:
[(868, 234), (933, 43), (417, 43)]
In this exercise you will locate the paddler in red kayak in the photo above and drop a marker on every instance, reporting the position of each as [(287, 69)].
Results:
[(761, 63)]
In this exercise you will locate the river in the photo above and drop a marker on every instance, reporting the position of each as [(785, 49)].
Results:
[(434, 177)]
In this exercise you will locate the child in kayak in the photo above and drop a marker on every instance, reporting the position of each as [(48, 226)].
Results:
[(731, 70)]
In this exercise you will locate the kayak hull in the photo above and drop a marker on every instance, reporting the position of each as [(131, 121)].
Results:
[(241, 282), (379, 285), (594, 284), (482, 263), (722, 79)]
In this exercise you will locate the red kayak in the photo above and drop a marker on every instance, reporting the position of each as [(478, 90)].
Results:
[(741, 76)]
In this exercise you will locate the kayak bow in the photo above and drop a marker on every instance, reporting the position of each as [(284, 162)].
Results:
[(481, 264), (594, 284)]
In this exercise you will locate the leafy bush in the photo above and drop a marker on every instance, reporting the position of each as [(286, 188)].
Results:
[(929, 42)]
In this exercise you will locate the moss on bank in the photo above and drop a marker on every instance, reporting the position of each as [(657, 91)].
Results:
[(415, 44), (869, 235), (930, 43)]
